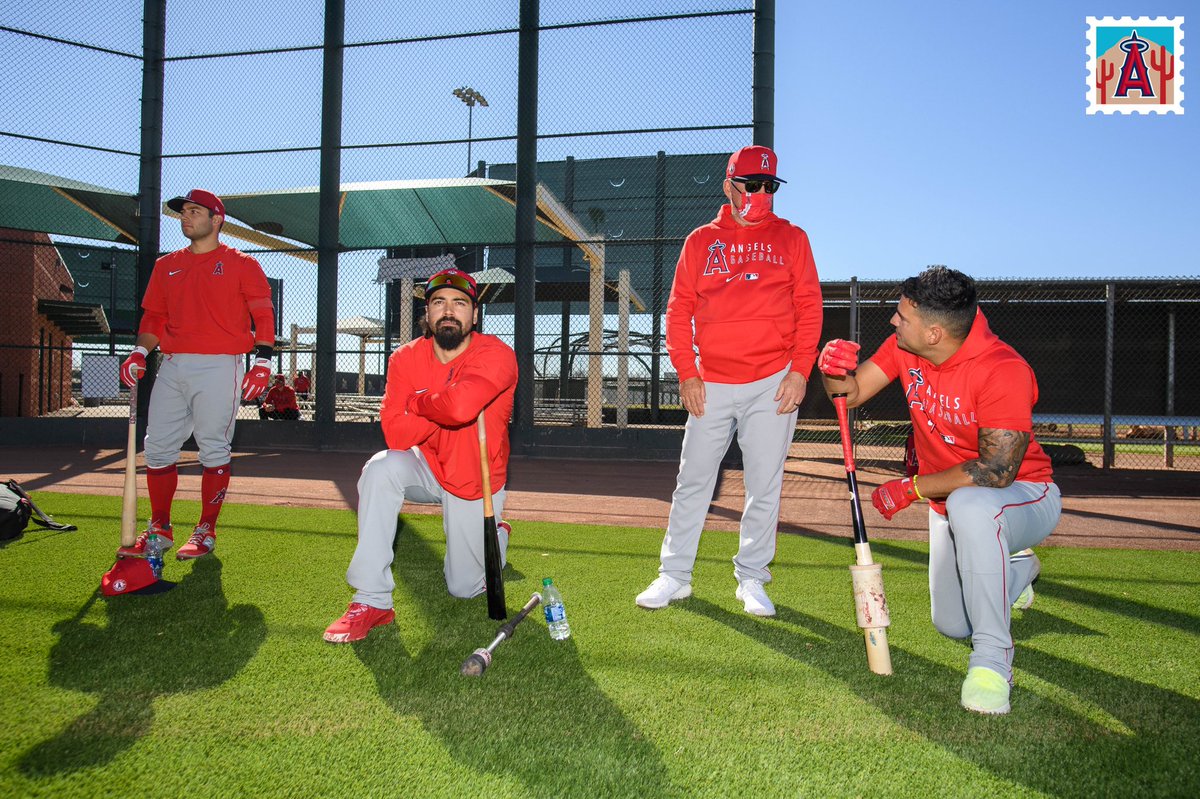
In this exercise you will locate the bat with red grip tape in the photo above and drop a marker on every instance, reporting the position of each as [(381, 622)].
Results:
[(870, 602)]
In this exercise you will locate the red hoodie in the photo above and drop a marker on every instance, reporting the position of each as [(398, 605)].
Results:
[(984, 384), (434, 405), (754, 297)]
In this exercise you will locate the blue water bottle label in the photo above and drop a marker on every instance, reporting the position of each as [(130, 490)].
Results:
[(555, 613)]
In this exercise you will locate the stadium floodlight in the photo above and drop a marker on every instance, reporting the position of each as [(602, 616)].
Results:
[(472, 98)]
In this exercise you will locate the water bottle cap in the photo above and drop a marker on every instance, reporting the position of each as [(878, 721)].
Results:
[(546, 581)]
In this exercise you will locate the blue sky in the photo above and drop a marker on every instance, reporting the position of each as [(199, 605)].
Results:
[(952, 132), (911, 133)]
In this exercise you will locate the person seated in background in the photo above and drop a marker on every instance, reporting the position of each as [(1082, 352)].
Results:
[(303, 384), (280, 402)]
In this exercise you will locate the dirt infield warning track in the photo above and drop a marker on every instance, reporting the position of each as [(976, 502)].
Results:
[(1119, 509)]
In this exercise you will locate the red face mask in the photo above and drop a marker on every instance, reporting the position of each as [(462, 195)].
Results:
[(755, 207)]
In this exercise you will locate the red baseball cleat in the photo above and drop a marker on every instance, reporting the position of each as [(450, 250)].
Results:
[(356, 622), (203, 540), (138, 550)]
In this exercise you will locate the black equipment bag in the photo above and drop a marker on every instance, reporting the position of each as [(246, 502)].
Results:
[(17, 508)]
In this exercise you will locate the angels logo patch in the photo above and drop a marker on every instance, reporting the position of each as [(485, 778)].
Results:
[(716, 263), (219, 269)]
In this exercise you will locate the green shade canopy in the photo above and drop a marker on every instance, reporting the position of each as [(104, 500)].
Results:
[(408, 213), (36, 201)]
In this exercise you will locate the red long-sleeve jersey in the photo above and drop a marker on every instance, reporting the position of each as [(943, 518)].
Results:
[(203, 304), (434, 405), (747, 298)]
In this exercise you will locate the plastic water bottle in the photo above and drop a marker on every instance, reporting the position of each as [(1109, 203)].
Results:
[(154, 555), (556, 613)]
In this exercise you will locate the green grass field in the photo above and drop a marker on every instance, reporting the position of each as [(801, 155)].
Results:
[(223, 686)]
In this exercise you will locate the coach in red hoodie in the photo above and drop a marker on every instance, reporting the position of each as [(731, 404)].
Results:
[(436, 388), (743, 323)]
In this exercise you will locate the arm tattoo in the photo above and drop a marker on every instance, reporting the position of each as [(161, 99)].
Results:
[(1000, 455)]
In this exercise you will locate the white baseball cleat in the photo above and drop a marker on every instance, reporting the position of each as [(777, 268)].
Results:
[(754, 598), (662, 591)]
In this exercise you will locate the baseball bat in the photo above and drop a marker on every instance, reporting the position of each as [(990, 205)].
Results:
[(493, 578), (129, 495), (478, 661), (870, 601)]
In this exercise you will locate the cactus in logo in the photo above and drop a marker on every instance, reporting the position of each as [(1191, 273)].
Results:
[(1165, 69), (1104, 73)]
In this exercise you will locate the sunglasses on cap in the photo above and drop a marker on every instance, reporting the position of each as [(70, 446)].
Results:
[(454, 281), (755, 186)]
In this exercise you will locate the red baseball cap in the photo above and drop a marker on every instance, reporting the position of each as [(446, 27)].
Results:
[(452, 278), (200, 197), (753, 163), (126, 576)]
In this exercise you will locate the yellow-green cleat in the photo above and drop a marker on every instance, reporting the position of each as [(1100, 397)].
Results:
[(985, 691), (1025, 599)]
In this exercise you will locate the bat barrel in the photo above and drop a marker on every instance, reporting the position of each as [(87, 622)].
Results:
[(476, 664)]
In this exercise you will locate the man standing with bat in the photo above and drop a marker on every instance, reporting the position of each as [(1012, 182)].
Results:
[(437, 388), (988, 482), (198, 310), (745, 298)]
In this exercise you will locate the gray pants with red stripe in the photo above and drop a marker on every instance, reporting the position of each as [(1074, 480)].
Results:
[(392, 477), (194, 395), (972, 582), (764, 437)]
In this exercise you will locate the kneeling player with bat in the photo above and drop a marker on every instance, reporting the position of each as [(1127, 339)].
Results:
[(443, 392), (988, 482)]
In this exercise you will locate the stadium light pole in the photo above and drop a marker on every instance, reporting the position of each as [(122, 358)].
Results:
[(471, 98)]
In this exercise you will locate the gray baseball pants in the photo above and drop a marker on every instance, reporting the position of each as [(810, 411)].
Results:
[(194, 394), (764, 437), (972, 583), (387, 479)]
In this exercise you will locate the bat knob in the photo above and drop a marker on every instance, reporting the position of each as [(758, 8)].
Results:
[(476, 664)]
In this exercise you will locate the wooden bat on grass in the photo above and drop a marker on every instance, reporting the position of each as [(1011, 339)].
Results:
[(129, 493)]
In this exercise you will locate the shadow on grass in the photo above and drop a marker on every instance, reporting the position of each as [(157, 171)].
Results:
[(535, 716), (185, 640), (1110, 736), (1184, 622)]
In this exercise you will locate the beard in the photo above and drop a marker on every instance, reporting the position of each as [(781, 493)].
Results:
[(449, 335)]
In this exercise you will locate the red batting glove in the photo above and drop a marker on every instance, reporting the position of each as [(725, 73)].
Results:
[(255, 381), (134, 366), (894, 496), (838, 357)]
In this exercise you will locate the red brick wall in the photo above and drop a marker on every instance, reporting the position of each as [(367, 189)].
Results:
[(35, 356)]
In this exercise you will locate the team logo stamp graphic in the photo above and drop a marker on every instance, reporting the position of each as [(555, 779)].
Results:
[(1135, 65)]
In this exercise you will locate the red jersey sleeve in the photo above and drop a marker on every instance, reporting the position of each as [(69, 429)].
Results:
[(886, 358), (681, 307), (154, 304), (401, 429), (478, 383), (806, 301), (257, 292)]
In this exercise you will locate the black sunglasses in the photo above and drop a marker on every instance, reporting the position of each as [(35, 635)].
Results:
[(755, 186)]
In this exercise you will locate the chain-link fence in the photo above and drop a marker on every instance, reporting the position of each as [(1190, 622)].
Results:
[(631, 148), (1115, 364)]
